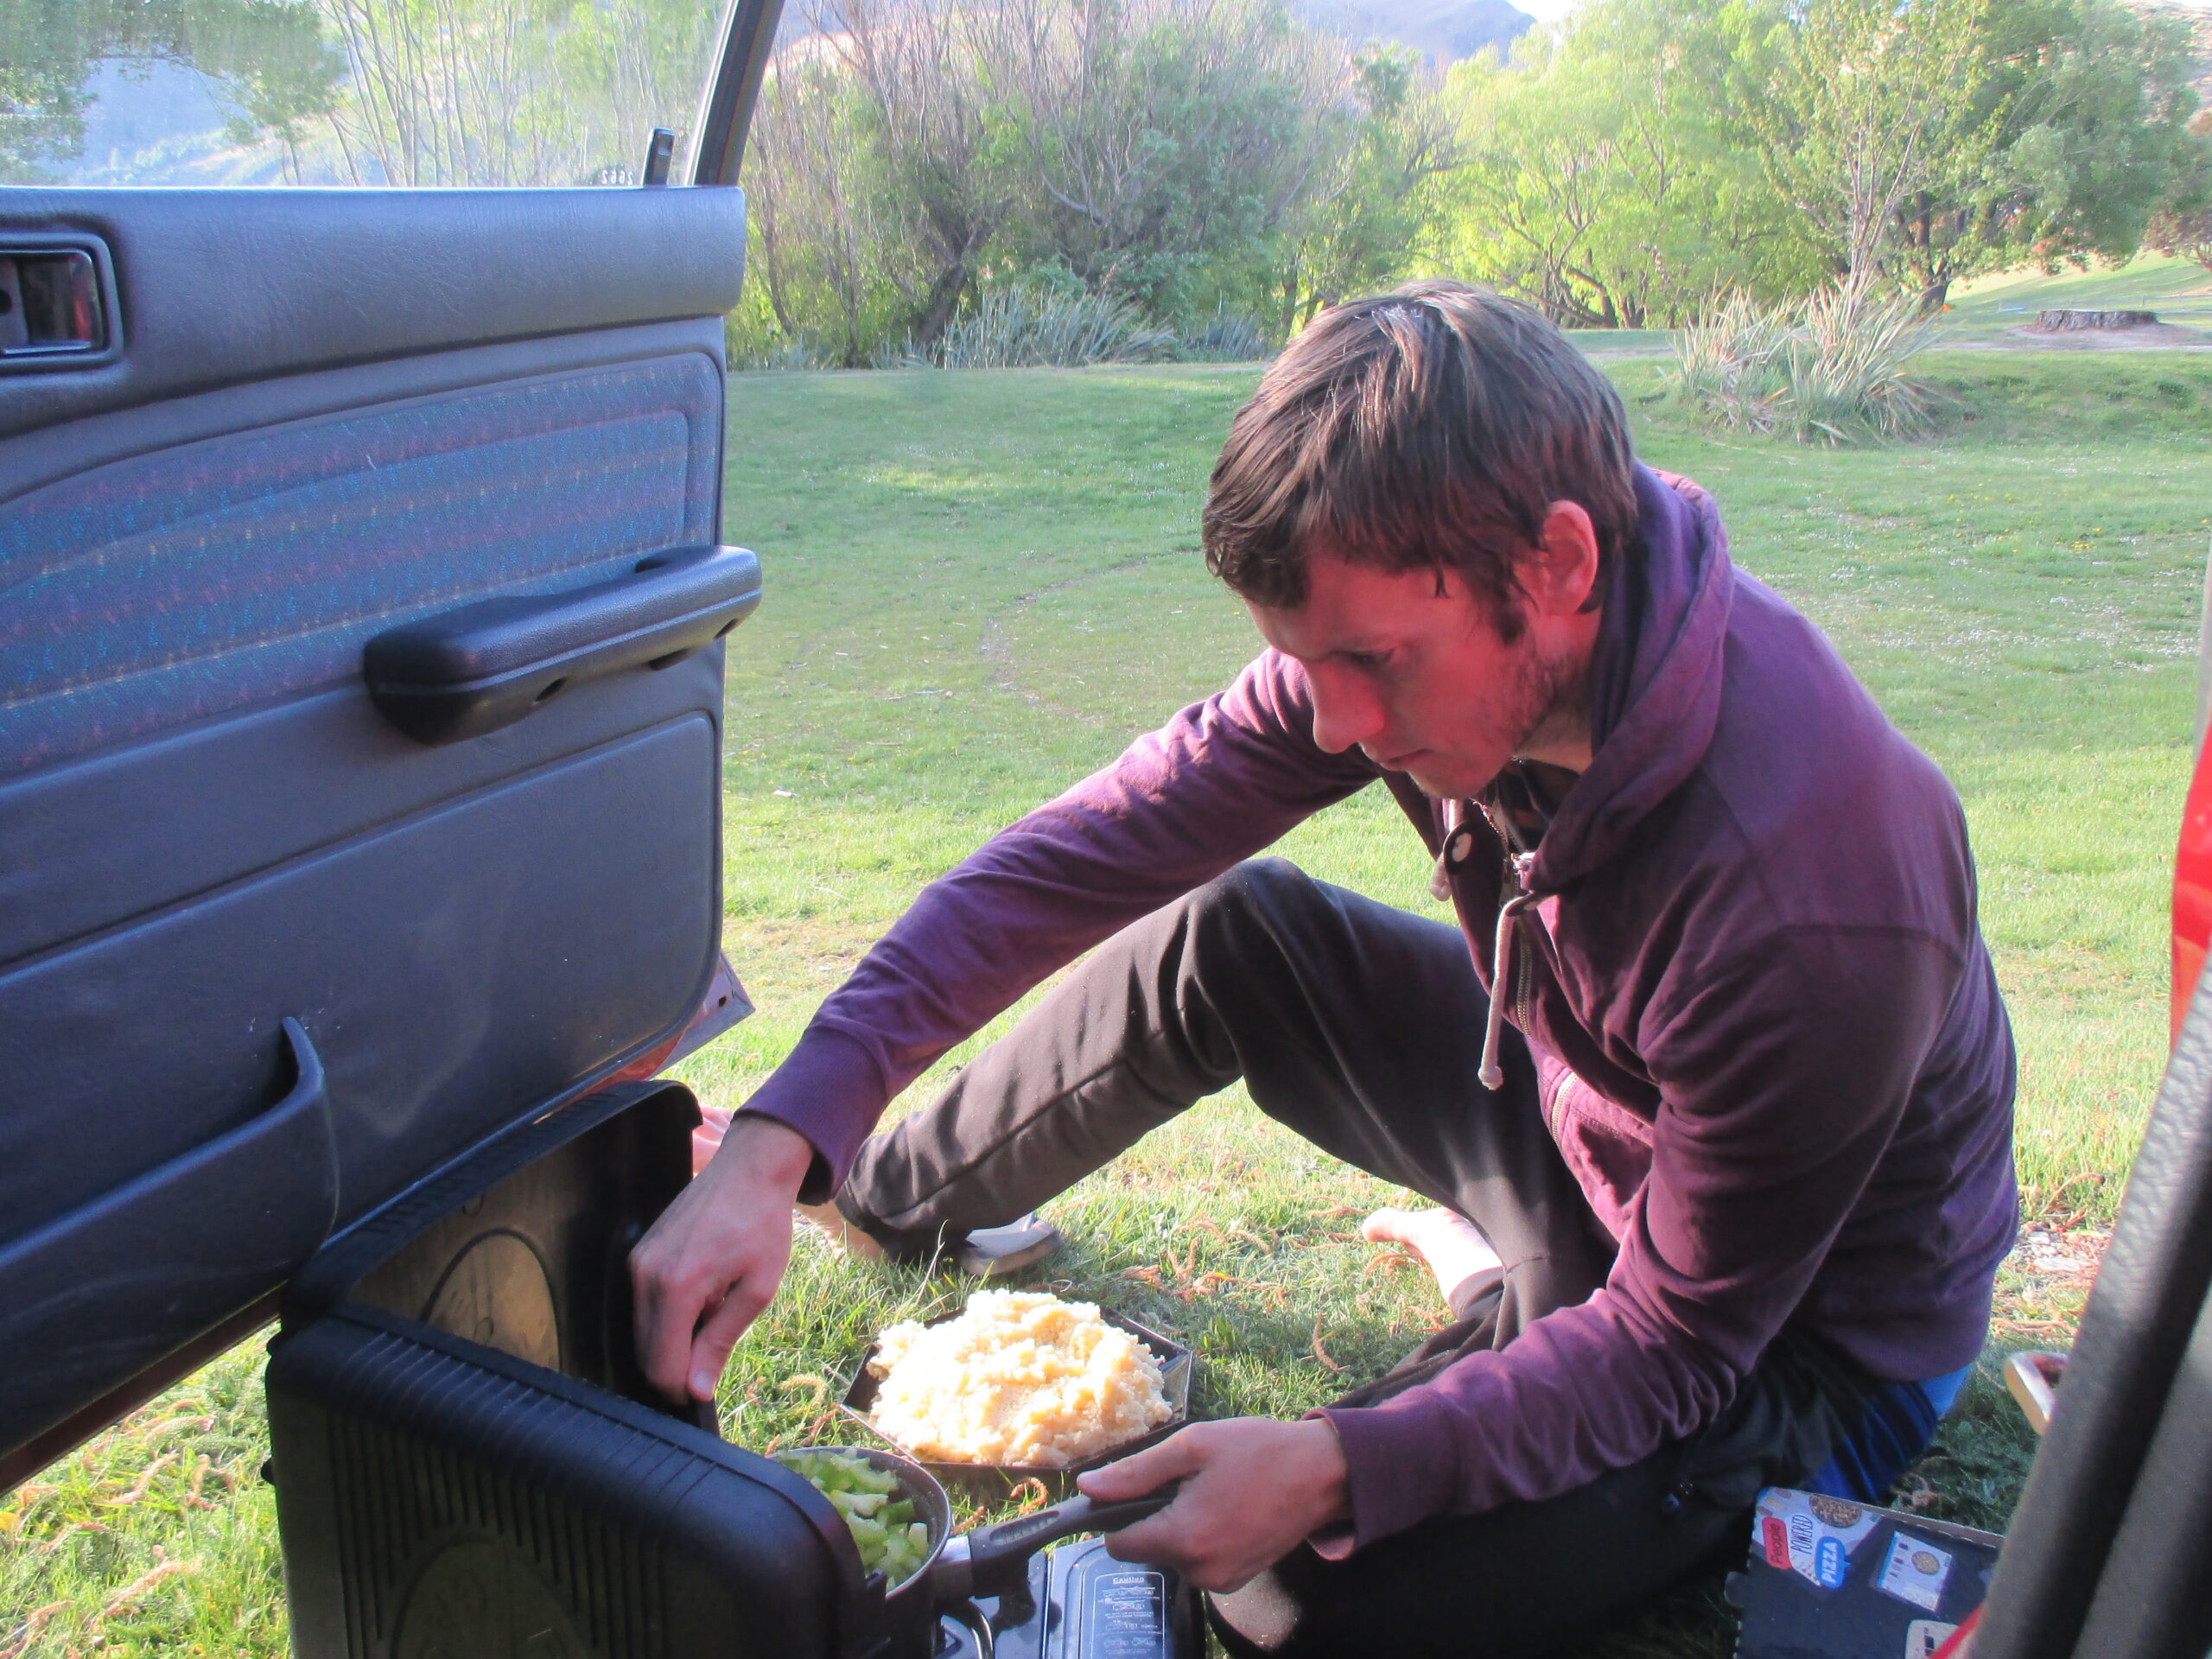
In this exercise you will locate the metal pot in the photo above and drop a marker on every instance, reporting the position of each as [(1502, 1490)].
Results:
[(991, 1561)]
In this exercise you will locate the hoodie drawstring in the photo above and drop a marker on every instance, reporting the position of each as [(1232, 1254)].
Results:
[(1491, 1074), (1519, 861)]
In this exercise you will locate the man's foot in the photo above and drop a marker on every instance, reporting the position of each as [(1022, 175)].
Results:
[(1001, 1252), (828, 1220), (985, 1253), (1454, 1251)]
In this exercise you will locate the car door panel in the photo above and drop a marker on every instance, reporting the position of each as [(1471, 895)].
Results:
[(451, 937), (31, 459), (222, 287), (307, 773), (186, 583), (95, 1294), (334, 413)]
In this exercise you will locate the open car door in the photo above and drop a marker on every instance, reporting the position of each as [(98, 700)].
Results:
[(362, 597)]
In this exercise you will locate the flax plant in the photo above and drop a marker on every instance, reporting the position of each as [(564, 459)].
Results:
[(1830, 368), (1020, 328)]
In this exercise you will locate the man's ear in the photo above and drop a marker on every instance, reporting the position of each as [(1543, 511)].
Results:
[(1559, 573)]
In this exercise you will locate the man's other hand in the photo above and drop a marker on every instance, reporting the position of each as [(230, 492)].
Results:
[(1253, 1490), (713, 1259)]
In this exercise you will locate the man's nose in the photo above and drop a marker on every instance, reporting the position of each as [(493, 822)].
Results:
[(1344, 715)]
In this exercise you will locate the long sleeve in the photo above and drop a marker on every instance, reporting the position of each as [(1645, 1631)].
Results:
[(1219, 782), (1783, 1071)]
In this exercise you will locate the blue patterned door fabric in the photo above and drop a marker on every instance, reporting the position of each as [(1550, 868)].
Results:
[(200, 581)]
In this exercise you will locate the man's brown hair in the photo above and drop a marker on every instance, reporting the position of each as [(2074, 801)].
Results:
[(1431, 428)]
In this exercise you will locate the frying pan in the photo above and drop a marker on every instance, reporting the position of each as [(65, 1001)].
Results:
[(990, 1482)]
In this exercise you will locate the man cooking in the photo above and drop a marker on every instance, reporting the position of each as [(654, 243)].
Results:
[(1711, 1085)]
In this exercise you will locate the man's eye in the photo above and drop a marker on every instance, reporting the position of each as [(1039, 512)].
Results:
[(1367, 659)]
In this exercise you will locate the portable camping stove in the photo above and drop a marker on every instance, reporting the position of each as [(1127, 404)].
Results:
[(468, 1466)]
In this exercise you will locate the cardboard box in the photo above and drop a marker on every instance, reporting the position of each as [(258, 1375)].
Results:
[(1828, 1578)]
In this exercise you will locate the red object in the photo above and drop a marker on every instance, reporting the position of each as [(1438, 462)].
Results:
[(707, 1139), (1777, 1543), (1956, 1644), (725, 1004), (2192, 890)]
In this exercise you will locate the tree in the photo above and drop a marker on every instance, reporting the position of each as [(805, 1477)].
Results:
[(1163, 135), (2187, 234), (823, 242), (1611, 173), (375, 92), (512, 92), (2111, 144), (910, 154), (1533, 188), (2184, 228), (46, 52), (2077, 135), (268, 59), (1870, 102), (926, 69), (1357, 228)]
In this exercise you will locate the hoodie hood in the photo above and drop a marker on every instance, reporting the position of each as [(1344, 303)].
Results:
[(1654, 677)]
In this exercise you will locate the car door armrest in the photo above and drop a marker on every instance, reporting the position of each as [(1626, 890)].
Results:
[(473, 670)]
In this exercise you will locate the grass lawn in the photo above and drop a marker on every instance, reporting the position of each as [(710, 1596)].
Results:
[(1984, 312), (982, 584), (2179, 290)]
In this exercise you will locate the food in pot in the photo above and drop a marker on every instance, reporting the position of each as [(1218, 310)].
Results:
[(892, 1542), (1022, 1378)]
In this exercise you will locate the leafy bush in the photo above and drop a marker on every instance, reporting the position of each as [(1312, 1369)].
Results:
[(1825, 370), (783, 351), (1226, 337), (1017, 327)]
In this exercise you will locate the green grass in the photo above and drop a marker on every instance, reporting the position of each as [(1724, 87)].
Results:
[(159, 1537), (982, 585), (1985, 311), (1624, 342), (2179, 290)]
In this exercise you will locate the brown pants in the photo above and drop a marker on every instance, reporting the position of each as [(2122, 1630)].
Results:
[(1359, 1026)]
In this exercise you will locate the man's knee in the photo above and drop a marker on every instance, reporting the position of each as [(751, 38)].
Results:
[(1261, 893)]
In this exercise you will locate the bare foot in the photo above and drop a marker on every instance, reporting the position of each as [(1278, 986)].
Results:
[(1454, 1251), (830, 1221)]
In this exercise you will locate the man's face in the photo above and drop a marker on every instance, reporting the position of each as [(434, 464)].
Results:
[(1410, 666)]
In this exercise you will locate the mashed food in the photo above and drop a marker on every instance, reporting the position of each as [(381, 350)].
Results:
[(1022, 1378)]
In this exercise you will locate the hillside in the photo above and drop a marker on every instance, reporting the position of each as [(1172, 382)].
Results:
[(2196, 16), (1444, 31)]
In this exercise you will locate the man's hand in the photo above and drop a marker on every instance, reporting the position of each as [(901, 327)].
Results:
[(1253, 1490), (714, 1258)]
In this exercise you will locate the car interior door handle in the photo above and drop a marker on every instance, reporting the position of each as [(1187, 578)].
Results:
[(471, 670)]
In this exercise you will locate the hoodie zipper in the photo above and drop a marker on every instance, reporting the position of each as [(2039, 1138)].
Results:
[(1524, 970), (1555, 1103), (1525, 993)]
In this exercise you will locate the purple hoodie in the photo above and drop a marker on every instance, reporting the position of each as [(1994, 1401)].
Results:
[(1769, 1034)]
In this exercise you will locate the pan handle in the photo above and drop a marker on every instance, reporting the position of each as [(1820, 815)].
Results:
[(998, 1555)]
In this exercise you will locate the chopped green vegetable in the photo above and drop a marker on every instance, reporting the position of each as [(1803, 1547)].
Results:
[(892, 1542)]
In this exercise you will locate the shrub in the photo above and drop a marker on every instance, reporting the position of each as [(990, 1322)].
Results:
[(1825, 370), (1017, 328), (1226, 337), (784, 352)]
